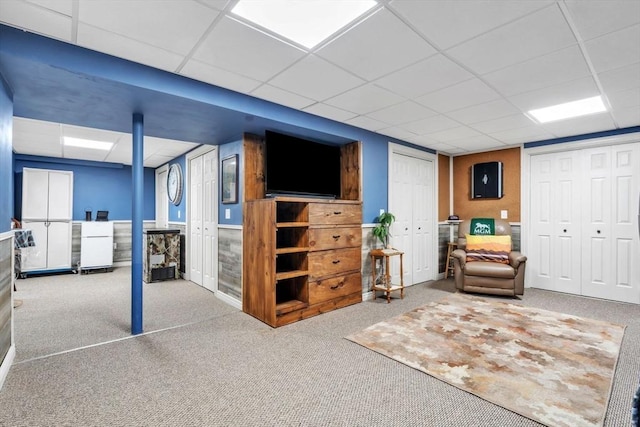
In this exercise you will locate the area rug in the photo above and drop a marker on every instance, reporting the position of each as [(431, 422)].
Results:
[(553, 368)]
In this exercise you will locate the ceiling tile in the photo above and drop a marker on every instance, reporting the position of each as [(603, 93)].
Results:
[(64, 7), (216, 4), (557, 94), (398, 133), (522, 135), (29, 16), (504, 123), (454, 133), (446, 23), (364, 99), (580, 125), (122, 47), (447, 148), (403, 112), (625, 99), (627, 117), (370, 49), (534, 35), (482, 112), (555, 68), (328, 80), (467, 93), (238, 48), (475, 143), (209, 74), (282, 97), (329, 112), (433, 73), (89, 133), (621, 78), (365, 122), (595, 18), (142, 20), (615, 50), (84, 154), (431, 124)]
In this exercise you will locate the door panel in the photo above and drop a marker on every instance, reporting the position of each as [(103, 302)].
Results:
[(195, 220), (210, 221)]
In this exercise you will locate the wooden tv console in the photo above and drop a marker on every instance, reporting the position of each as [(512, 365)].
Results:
[(303, 257)]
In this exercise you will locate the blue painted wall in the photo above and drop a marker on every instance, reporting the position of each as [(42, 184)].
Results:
[(96, 186), (6, 158), (235, 209)]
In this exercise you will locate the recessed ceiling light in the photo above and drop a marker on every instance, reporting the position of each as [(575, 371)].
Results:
[(305, 22), (568, 110), (87, 143)]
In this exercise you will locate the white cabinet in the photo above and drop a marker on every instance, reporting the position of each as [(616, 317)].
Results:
[(583, 219), (47, 207), (96, 246)]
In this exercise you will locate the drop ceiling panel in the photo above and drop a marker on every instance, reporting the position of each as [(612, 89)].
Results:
[(142, 20), (475, 143), (403, 112), (615, 50), (482, 112), (429, 75), (521, 135), (621, 78), (447, 23), (625, 99), (596, 18), (557, 94), (216, 76), (627, 117), (282, 97), (452, 134), (122, 47), (555, 68), (467, 93), (580, 125), (504, 123), (365, 122), (235, 47), (84, 154), (315, 78), (64, 7), (371, 49), (431, 124), (329, 112), (29, 16), (365, 99), (534, 35)]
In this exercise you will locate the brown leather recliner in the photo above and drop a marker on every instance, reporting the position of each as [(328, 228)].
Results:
[(485, 276)]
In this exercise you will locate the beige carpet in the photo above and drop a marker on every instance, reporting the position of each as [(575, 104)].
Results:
[(554, 368)]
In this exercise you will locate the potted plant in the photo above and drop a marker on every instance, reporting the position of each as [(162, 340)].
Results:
[(383, 230)]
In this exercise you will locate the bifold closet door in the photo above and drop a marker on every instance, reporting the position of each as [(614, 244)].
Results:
[(554, 255), (610, 239)]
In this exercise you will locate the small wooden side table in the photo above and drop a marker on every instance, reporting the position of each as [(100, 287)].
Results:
[(451, 246), (386, 286)]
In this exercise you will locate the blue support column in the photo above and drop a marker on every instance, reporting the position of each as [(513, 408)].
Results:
[(137, 172)]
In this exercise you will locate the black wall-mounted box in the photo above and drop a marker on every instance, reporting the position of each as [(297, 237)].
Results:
[(487, 180)]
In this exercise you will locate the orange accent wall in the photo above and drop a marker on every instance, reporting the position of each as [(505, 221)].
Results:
[(465, 207), (443, 187)]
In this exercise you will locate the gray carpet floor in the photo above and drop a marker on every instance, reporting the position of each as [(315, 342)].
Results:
[(202, 362)]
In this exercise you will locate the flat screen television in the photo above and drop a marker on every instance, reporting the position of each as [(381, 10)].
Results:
[(301, 167)]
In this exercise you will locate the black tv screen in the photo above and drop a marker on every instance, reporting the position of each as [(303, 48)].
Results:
[(296, 166)]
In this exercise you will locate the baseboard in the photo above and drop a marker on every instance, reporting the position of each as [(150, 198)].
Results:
[(229, 300), (6, 364)]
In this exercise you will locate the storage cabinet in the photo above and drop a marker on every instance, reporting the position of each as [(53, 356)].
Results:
[(47, 207), (303, 258)]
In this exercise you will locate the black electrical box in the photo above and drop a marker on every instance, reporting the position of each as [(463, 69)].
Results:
[(487, 180)]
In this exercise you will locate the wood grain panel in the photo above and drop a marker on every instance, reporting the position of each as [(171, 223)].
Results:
[(328, 263), (334, 213), (334, 238), (254, 165), (327, 289), (350, 171)]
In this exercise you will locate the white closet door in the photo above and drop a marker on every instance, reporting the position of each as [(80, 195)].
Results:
[(35, 194), (609, 239), (195, 220), (210, 220), (555, 222), (35, 257), (59, 245), (412, 196)]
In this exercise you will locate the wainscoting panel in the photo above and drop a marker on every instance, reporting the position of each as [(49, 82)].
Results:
[(230, 262)]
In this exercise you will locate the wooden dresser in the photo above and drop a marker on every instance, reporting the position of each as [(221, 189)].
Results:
[(302, 257)]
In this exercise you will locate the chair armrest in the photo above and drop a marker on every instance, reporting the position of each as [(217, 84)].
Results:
[(460, 255), (516, 258)]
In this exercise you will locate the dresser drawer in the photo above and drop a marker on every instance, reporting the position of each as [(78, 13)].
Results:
[(333, 262), (335, 287), (334, 238), (335, 213)]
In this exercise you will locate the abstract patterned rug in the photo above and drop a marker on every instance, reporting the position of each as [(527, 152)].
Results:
[(554, 368)]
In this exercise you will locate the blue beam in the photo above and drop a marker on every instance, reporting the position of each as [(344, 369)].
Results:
[(137, 172)]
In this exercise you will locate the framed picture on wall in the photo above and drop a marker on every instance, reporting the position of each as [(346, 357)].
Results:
[(230, 179)]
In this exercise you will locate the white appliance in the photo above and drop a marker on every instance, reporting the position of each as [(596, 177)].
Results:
[(96, 246), (47, 206)]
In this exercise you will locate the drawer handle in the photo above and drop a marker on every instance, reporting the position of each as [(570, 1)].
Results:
[(336, 237), (337, 212), (336, 261), (339, 285)]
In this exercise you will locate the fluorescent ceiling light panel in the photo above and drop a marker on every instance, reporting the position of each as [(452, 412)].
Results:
[(305, 22), (568, 110), (87, 143)]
